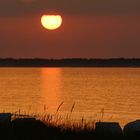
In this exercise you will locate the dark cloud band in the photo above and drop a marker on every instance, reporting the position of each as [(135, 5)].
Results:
[(76, 7)]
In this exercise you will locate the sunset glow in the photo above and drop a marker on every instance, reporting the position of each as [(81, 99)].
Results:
[(51, 83), (51, 22)]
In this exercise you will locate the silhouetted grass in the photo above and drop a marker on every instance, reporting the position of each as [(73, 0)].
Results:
[(54, 127), (48, 127)]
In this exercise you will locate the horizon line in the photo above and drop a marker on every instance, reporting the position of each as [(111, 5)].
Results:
[(71, 58)]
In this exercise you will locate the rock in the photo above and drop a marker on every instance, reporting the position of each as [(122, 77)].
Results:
[(132, 130), (5, 125), (108, 130), (28, 129), (5, 118)]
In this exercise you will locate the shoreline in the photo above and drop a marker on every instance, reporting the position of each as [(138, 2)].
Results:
[(74, 62), (28, 128)]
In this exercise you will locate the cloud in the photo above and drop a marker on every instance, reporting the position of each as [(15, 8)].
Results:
[(76, 7)]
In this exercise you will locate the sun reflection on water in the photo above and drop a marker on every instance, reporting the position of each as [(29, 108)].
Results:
[(51, 83)]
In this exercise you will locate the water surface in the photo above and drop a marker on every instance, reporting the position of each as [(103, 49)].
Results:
[(107, 94)]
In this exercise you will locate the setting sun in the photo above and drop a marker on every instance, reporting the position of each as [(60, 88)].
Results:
[(51, 22)]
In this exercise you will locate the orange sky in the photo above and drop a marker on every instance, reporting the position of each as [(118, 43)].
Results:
[(79, 36), (89, 30)]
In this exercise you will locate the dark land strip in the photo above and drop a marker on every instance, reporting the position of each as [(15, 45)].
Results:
[(74, 62)]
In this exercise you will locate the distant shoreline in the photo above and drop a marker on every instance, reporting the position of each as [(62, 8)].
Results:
[(69, 67), (74, 62)]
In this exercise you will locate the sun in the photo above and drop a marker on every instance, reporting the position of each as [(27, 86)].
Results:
[(51, 22)]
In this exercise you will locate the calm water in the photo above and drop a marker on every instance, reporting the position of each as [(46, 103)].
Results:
[(109, 94)]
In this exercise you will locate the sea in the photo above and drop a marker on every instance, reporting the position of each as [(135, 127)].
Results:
[(92, 94)]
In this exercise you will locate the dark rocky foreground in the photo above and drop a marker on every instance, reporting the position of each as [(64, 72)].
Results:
[(32, 129)]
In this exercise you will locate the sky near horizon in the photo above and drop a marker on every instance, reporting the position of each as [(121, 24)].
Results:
[(90, 29)]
